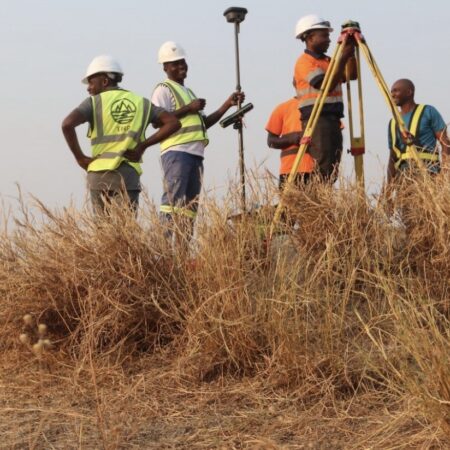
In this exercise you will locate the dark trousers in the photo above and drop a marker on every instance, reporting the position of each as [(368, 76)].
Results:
[(101, 199), (300, 179), (326, 146)]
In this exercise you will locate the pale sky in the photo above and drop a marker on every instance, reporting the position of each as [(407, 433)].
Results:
[(47, 45)]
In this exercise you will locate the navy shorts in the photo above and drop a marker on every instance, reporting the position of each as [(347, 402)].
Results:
[(183, 174)]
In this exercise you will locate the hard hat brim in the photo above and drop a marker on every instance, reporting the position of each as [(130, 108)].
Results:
[(172, 59), (85, 79), (315, 27)]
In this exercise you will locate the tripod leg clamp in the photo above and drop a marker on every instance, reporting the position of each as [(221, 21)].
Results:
[(305, 140), (356, 151)]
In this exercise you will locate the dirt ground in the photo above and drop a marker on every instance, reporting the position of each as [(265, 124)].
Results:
[(53, 405)]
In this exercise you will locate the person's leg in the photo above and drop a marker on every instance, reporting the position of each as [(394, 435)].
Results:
[(336, 146), (300, 180), (318, 145), (97, 201), (282, 180), (175, 213), (194, 185), (194, 169), (326, 147), (133, 199), (176, 176)]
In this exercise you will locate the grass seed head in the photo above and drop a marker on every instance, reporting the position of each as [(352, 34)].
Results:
[(24, 338), (37, 348), (28, 319)]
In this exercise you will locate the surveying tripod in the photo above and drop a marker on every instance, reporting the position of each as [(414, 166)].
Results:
[(350, 30)]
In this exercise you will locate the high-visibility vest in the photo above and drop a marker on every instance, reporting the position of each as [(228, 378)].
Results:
[(192, 126), (119, 122), (403, 154), (307, 94)]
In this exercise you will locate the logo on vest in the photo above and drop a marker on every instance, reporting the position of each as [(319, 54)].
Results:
[(123, 111)]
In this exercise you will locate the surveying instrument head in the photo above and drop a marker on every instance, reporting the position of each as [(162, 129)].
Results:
[(350, 24), (235, 14)]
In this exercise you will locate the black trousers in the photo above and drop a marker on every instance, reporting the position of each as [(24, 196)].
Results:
[(326, 146), (300, 179)]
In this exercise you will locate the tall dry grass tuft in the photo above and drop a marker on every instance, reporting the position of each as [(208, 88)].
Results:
[(99, 283), (348, 302)]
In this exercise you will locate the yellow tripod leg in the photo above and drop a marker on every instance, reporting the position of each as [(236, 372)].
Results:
[(357, 144), (310, 126), (387, 95)]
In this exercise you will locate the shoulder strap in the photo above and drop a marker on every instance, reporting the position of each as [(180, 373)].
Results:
[(394, 138), (192, 94), (414, 124), (179, 102)]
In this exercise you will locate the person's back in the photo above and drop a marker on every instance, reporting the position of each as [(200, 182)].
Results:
[(284, 133), (117, 122)]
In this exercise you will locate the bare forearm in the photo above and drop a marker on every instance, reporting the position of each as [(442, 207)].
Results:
[(445, 145), (346, 66), (169, 124), (285, 141), (445, 156), (68, 128), (183, 111), (339, 76), (443, 139), (71, 138), (167, 129), (214, 117), (351, 69)]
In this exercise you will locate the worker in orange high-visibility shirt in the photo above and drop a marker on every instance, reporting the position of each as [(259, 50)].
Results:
[(284, 131), (310, 70)]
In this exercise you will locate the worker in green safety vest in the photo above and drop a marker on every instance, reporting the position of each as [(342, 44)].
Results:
[(426, 128), (182, 153), (117, 122)]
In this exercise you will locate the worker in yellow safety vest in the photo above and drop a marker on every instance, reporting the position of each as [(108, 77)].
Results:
[(182, 153), (117, 122), (426, 129)]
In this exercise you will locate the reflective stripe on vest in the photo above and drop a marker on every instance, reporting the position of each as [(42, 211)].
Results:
[(119, 122), (192, 125), (414, 129), (308, 95), (168, 209)]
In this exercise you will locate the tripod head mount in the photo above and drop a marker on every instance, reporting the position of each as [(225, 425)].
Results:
[(235, 14), (352, 31), (351, 24)]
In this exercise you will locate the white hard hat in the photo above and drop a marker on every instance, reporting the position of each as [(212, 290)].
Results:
[(100, 64), (311, 22), (170, 51)]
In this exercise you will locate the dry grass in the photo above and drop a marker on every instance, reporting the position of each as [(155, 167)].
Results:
[(337, 337)]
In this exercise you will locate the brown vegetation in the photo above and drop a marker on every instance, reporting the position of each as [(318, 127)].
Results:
[(336, 337)]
